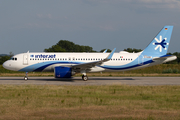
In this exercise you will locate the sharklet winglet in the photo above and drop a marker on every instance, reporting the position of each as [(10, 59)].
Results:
[(111, 54)]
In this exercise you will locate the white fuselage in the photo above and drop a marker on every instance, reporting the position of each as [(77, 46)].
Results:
[(122, 61), (32, 61)]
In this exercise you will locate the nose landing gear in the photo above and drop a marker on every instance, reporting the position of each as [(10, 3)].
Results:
[(26, 76)]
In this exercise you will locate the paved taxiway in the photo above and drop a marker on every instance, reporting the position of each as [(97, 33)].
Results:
[(92, 81)]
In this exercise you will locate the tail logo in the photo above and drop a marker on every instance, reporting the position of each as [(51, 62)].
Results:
[(160, 43)]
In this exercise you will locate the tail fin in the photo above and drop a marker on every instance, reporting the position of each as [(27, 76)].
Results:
[(160, 43)]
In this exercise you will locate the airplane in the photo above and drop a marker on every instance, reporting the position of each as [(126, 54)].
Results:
[(65, 65)]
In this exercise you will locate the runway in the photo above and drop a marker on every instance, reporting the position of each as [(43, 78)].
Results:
[(92, 81)]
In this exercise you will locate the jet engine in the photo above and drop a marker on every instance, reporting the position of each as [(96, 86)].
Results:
[(62, 72)]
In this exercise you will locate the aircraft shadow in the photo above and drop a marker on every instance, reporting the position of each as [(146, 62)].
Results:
[(73, 79)]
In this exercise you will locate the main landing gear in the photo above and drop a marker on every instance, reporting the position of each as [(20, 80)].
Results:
[(26, 76), (85, 77)]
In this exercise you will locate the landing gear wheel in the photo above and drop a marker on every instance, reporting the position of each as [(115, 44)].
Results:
[(85, 77), (25, 78)]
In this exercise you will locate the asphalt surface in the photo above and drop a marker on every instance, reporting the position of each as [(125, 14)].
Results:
[(92, 81)]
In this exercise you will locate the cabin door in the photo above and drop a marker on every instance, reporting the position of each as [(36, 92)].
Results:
[(25, 59)]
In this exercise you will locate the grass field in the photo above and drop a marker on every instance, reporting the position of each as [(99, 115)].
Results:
[(89, 102), (92, 102), (158, 70)]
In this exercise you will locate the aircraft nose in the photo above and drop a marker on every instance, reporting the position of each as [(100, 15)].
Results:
[(7, 65)]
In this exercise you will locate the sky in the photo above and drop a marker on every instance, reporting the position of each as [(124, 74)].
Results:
[(33, 25)]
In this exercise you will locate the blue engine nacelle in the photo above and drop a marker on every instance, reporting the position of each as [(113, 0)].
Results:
[(62, 72)]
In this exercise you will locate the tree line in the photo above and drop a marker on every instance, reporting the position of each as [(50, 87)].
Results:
[(68, 46)]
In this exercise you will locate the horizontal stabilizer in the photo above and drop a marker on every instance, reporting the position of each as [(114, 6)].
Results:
[(165, 58)]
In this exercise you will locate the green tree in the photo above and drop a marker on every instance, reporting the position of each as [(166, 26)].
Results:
[(108, 50), (4, 58), (132, 50), (67, 46)]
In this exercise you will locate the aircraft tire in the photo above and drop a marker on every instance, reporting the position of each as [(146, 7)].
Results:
[(85, 77), (25, 78)]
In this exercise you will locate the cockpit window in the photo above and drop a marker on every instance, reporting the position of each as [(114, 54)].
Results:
[(13, 58)]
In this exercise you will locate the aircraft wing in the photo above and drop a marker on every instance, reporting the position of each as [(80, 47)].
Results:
[(92, 64)]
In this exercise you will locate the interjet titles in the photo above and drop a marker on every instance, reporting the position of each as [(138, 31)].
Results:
[(45, 56)]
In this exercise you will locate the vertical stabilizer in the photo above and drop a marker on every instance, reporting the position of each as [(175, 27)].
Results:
[(159, 45)]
